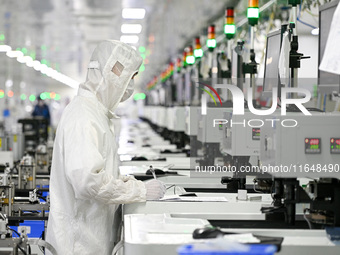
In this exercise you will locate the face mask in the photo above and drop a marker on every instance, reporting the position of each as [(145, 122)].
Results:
[(129, 91)]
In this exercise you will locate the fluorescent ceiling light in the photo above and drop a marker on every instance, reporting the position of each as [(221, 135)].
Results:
[(25, 59), (36, 65), (131, 28), (43, 68), (5, 48), (129, 38), (14, 54), (133, 13)]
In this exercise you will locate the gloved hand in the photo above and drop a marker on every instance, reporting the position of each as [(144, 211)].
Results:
[(126, 178), (155, 189)]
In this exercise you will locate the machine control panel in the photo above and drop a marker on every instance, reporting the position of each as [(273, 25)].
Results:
[(256, 134), (335, 145), (312, 145)]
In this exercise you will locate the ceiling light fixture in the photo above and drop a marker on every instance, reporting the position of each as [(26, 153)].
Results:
[(133, 13), (5, 48), (131, 28), (129, 39), (41, 66), (14, 54)]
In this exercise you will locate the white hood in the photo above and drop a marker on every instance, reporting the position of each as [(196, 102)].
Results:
[(112, 66)]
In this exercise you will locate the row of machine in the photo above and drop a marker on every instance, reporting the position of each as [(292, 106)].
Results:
[(256, 171), (25, 162)]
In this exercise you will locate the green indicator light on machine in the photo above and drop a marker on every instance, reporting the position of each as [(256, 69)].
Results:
[(141, 49), (253, 13), (198, 53), (32, 98), (332, 147), (43, 96), (23, 97), (229, 29), (24, 50), (32, 55), (2, 37), (142, 68), (211, 43), (190, 60)]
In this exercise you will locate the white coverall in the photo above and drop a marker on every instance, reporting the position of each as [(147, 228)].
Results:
[(85, 186)]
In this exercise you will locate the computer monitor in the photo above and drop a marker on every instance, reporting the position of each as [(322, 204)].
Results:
[(327, 82), (271, 65)]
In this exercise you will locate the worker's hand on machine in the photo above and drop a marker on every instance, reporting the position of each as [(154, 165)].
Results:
[(155, 189)]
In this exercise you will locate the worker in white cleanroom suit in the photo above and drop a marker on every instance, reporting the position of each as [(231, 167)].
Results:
[(85, 186)]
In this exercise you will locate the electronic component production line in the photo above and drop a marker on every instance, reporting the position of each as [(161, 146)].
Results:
[(233, 128)]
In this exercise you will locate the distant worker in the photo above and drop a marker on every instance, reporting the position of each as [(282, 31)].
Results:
[(86, 188), (41, 109)]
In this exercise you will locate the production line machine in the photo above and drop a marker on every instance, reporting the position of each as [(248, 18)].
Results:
[(304, 197)]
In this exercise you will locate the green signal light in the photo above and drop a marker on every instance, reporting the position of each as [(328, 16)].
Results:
[(143, 56), (32, 98), (2, 94), (57, 97), (229, 29), (23, 97), (43, 61), (43, 96), (139, 96), (24, 50), (253, 13), (142, 68), (141, 49), (190, 60), (198, 53), (2, 37), (211, 43), (332, 147), (32, 55)]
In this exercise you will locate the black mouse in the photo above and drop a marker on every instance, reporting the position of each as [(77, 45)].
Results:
[(157, 172), (203, 233), (135, 158)]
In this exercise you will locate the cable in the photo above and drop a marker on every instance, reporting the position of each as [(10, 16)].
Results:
[(305, 217), (314, 109), (254, 187), (43, 198), (306, 24), (22, 250), (14, 231), (170, 186)]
